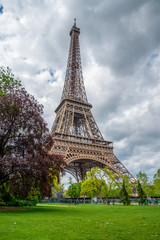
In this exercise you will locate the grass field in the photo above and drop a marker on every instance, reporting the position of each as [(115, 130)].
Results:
[(80, 222)]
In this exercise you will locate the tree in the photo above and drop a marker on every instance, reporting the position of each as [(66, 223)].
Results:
[(89, 188), (57, 187), (70, 180), (25, 161), (97, 176), (111, 186), (142, 178), (74, 190), (95, 185), (124, 196), (150, 190), (129, 186), (7, 80), (157, 182), (141, 193)]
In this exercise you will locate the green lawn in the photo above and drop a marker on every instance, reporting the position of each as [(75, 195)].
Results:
[(81, 222)]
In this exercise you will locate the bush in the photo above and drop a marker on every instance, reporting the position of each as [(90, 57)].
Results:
[(7, 199), (2, 204), (5, 195), (20, 203)]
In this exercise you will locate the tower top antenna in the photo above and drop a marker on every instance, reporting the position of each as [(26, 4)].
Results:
[(75, 22)]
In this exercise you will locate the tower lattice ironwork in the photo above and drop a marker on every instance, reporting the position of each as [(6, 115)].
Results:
[(75, 132)]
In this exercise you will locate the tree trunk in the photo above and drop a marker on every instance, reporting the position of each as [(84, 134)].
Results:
[(101, 198)]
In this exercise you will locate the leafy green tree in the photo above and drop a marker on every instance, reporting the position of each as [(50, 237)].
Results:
[(98, 176), (150, 190), (74, 190), (114, 192), (111, 186), (157, 182), (142, 178), (91, 187), (55, 182), (99, 183), (7, 80), (105, 193), (129, 186), (124, 196), (141, 193), (65, 194)]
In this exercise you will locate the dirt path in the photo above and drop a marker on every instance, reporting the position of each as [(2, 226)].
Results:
[(2, 209), (42, 205)]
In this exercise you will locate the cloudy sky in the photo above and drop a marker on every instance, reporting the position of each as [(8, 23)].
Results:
[(120, 46)]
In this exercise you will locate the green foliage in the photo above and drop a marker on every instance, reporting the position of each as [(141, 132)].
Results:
[(19, 203), (7, 199), (141, 193), (102, 182), (105, 191), (157, 183), (124, 196), (7, 80), (65, 193), (157, 187), (157, 175), (5, 194), (2, 204), (142, 178), (55, 184), (34, 194), (96, 176), (90, 187), (113, 192), (95, 173), (111, 186), (74, 190), (150, 190), (128, 185)]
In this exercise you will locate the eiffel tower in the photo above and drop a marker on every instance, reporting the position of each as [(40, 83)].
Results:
[(75, 131)]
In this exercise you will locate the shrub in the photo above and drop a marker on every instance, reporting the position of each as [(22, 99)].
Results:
[(20, 203), (2, 204)]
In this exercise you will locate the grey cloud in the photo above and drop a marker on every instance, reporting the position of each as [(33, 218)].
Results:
[(125, 33)]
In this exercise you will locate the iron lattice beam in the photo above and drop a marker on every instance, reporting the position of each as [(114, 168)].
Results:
[(74, 84)]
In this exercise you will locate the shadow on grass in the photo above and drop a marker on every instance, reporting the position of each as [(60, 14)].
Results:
[(38, 209)]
